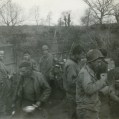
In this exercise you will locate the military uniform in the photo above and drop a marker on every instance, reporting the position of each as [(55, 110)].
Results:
[(4, 89), (45, 65), (31, 90), (114, 101), (87, 87), (71, 71)]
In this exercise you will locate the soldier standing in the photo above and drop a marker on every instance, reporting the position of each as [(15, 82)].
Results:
[(32, 90), (46, 63), (113, 78), (4, 86), (104, 98), (71, 70), (88, 86)]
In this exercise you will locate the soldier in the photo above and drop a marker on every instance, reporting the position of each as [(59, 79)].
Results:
[(4, 86), (113, 79), (88, 86), (104, 98), (46, 63), (27, 57), (71, 70), (32, 90)]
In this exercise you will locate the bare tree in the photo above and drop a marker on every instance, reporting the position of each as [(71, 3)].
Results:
[(11, 14), (60, 22), (100, 8), (116, 12), (49, 18), (88, 18), (3, 3), (69, 19), (66, 16), (35, 11)]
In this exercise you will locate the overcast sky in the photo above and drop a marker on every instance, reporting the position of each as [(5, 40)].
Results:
[(56, 7)]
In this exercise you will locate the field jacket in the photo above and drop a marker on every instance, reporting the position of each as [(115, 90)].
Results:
[(42, 88), (87, 88)]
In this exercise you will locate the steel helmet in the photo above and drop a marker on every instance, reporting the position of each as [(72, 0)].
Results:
[(1, 52), (93, 55), (45, 47)]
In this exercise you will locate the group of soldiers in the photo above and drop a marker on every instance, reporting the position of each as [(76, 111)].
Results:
[(81, 85), (90, 85)]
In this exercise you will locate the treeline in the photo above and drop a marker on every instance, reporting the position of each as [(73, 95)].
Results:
[(62, 39)]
